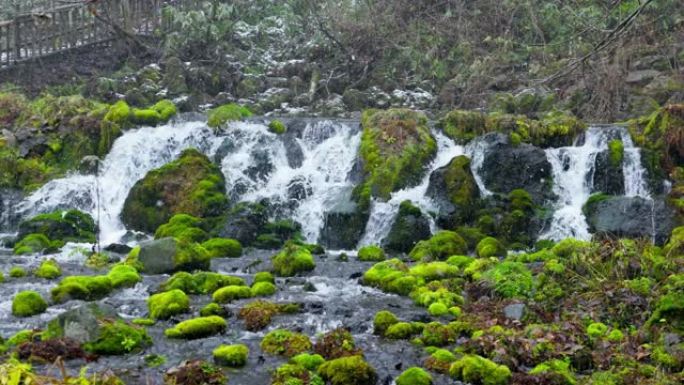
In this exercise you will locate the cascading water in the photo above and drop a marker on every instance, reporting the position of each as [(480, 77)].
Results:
[(476, 151), (573, 170), (382, 213)]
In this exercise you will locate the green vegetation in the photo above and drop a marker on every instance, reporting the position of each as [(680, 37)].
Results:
[(167, 304), (277, 127), (479, 370), (231, 355), (286, 343), (200, 283), (219, 116), (440, 247), (230, 293), (371, 254), (616, 151), (117, 338), (87, 288), (352, 370), (48, 269), (292, 259), (223, 248), (197, 328), (414, 376), (28, 303)]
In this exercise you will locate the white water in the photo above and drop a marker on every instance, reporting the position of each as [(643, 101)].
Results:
[(573, 174), (476, 151), (382, 213)]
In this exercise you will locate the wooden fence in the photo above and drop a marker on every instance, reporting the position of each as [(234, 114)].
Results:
[(74, 24)]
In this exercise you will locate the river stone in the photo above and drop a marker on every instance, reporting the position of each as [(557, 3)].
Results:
[(157, 256), (454, 190), (631, 217), (293, 151), (514, 311), (410, 226), (245, 222), (507, 167), (81, 323), (343, 226), (608, 179)]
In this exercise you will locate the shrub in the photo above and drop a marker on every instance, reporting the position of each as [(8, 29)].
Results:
[(28, 303), (167, 304)]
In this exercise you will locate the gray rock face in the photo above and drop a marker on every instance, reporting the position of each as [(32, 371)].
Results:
[(410, 226), (81, 323), (631, 217), (157, 256), (507, 167), (608, 178), (9, 199), (245, 222), (514, 311), (343, 226), (293, 151)]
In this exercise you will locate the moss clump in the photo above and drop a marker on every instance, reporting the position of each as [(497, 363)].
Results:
[(64, 226), (277, 127), (464, 126), (263, 289), (440, 360), (396, 145), (219, 116), (191, 184), (510, 279), (352, 370), (479, 370), (183, 227), (336, 343), (371, 254), (36, 243), (286, 343), (391, 276), (223, 248), (161, 112), (230, 293), (123, 276), (87, 288), (616, 152), (197, 328), (213, 309), (258, 314), (48, 269), (167, 304), (264, 276), (402, 330), (438, 309), (382, 321), (17, 272), (292, 259), (558, 370), (437, 334), (440, 247), (433, 271), (295, 374), (28, 303), (200, 283), (596, 330), (234, 356), (117, 338), (414, 376), (490, 247)]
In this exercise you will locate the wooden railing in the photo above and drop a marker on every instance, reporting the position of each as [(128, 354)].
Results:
[(74, 24)]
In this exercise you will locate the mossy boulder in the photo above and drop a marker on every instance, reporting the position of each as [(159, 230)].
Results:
[(286, 343), (440, 247), (231, 355), (197, 328), (167, 304), (223, 248), (183, 227), (123, 276), (218, 117), (245, 222), (200, 283), (28, 303), (277, 127), (490, 247), (382, 321), (410, 226), (231, 293), (81, 324), (608, 174), (414, 376), (36, 243), (396, 146), (352, 370), (86, 288), (190, 185), (371, 253), (263, 289), (48, 269), (454, 189), (169, 255), (117, 337), (478, 370), (291, 260), (65, 226)]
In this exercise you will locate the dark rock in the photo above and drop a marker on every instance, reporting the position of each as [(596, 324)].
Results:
[(507, 167), (261, 165), (118, 248), (354, 99), (298, 189), (157, 256), (81, 323), (514, 311), (343, 226), (455, 191), (631, 217), (89, 165), (9, 199), (245, 222), (608, 178), (293, 151), (174, 76), (410, 226)]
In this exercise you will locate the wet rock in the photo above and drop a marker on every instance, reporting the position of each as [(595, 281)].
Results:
[(174, 76), (507, 167), (118, 248), (343, 227), (293, 151), (410, 226), (608, 178), (157, 256), (89, 165), (81, 323), (9, 199), (261, 165), (631, 217), (245, 222), (298, 189), (455, 191), (514, 311)]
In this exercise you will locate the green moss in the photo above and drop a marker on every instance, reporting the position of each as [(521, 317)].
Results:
[(190, 256), (383, 320), (558, 370), (197, 328), (166, 110), (28, 303), (433, 271), (87, 288), (230, 293), (263, 289), (264, 276), (427, 295), (277, 127), (675, 245), (36, 243), (308, 361), (119, 113), (213, 309), (390, 276), (219, 116), (440, 360), (231, 355), (292, 259), (117, 338), (596, 330), (479, 370), (223, 248), (200, 283), (570, 247), (295, 374), (441, 246), (148, 117), (182, 227), (402, 331), (438, 309), (167, 304), (616, 152), (154, 360), (352, 370), (490, 247), (464, 126), (594, 199), (123, 276), (615, 335), (414, 376), (437, 334), (285, 342), (98, 261), (17, 272), (371, 253), (143, 321), (510, 279), (48, 269)]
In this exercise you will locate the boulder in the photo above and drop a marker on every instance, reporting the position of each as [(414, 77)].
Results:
[(293, 151), (343, 226), (608, 178), (454, 190), (9, 200), (71, 225), (245, 222), (410, 227), (630, 217), (507, 167), (168, 255), (81, 323)]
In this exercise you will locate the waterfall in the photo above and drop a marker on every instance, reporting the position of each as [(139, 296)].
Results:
[(476, 151), (382, 213), (573, 173)]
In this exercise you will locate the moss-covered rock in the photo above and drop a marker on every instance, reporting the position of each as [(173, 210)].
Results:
[(231, 355), (223, 248), (479, 370), (308, 361), (294, 374), (410, 226), (440, 247), (197, 328), (263, 276), (371, 253), (490, 247), (402, 330), (258, 314), (292, 259), (168, 255), (183, 227), (28, 303), (17, 272), (414, 376), (277, 127), (48, 269), (382, 321), (219, 116), (167, 304), (200, 283), (65, 226), (286, 343), (263, 289), (230, 293), (557, 370), (87, 288), (36, 243), (336, 343), (117, 338), (391, 276), (454, 189), (353, 370), (123, 276), (191, 185), (510, 279), (213, 308)]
